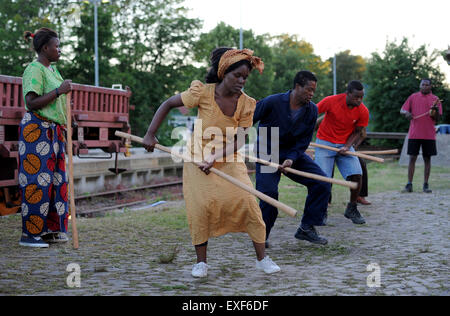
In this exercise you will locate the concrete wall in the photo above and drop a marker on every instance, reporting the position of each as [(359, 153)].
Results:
[(92, 175), (442, 159)]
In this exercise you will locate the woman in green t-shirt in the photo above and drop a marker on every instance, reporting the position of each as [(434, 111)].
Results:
[(42, 172)]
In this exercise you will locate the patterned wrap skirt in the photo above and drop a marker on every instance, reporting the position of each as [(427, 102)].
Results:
[(42, 176)]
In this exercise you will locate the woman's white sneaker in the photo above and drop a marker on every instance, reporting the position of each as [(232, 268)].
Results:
[(200, 270), (267, 265)]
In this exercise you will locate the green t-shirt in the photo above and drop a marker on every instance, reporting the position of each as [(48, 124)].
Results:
[(41, 80)]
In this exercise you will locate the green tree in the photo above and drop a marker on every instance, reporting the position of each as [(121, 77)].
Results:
[(153, 33), (257, 86), (292, 55), (16, 17), (348, 67), (81, 68), (154, 40), (283, 57), (392, 77)]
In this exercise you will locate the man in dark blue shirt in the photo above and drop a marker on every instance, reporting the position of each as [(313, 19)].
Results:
[(286, 125)]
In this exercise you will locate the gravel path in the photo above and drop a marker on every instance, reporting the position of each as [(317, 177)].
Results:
[(404, 246)]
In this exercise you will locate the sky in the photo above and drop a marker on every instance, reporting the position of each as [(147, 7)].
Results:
[(332, 26)]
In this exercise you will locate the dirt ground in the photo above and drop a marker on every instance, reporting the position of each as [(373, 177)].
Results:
[(402, 250)]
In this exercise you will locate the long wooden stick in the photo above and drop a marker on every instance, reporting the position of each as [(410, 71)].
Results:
[(379, 152), (349, 184), (283, 207), (420, 115), (428, 112), (70, 165), (370, 152), (348, 152)]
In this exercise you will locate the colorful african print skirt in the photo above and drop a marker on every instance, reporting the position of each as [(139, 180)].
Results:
[(42, 176)]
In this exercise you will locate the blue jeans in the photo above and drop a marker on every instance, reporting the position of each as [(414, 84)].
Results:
[(348, 165), (316, 203)]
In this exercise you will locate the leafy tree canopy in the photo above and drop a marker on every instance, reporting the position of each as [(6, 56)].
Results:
[(392, 77), (348, 67)]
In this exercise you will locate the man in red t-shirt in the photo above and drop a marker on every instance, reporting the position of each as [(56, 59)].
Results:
[(422, 132), (345, 118)]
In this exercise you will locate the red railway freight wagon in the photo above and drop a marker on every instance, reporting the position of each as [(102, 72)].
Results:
[(97, 112)]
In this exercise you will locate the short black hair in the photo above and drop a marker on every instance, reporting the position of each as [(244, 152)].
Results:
[(302, 77), (354, 85)]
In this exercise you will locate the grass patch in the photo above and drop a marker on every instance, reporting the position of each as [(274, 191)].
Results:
[(169, 256)]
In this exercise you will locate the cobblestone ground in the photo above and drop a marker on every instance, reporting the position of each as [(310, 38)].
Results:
[(406, 237)]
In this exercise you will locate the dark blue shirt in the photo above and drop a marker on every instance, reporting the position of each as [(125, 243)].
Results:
[(295, 134), (295, 114)]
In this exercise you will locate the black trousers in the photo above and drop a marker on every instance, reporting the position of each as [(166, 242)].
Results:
[(316, 201)]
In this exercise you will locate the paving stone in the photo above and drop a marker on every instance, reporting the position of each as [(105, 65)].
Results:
[(410, 262)]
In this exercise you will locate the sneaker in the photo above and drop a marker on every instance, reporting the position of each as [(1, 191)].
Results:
[(53, 238), (408, 188), (309, 234), (200, 270), (362, 200), (426, 189), (352, 213), (35, 242), (267, 265)]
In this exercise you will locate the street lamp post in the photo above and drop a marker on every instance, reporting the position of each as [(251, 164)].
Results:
[(95, 2), (241, 39), (334, 75)]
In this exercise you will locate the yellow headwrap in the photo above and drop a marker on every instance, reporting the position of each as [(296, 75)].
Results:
[(233, 56)]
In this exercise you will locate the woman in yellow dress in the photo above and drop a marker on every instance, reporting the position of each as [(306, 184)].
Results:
[(214, 206)]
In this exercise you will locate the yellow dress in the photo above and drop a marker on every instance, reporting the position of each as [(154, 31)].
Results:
[(214, 205)]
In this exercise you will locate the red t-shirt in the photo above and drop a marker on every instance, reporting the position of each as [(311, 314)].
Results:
[(340, 121), (423, 126)]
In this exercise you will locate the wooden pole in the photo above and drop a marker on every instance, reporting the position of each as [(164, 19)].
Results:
[(421, 115), (283, 207), (349, 184), (348, 152), (369, 152), (379, 152), (70, 167)]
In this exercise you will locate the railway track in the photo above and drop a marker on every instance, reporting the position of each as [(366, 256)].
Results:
[(89, 208), (89, 205), (113, 192)]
